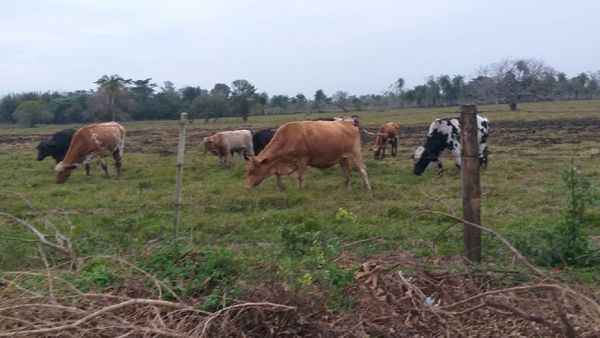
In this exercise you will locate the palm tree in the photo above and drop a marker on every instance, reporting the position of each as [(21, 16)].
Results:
[(112, 85)]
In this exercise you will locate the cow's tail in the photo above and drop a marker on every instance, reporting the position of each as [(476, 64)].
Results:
[(370, 133)]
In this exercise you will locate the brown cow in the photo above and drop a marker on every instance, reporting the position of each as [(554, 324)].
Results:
[(101, 140), (319, 144), (388, 133)]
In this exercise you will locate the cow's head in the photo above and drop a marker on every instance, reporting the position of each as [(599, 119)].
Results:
[(209, 145), (45, 149), (378, 146), (213, 145), (63, 172), (258, 171), (421, 159)]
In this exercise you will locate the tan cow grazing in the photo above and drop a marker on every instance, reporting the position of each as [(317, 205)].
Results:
[(388, 133), (228, 142), (101, 140), (319, 144)]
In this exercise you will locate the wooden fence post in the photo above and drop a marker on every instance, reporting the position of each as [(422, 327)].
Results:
[(180, 156), (469, 173)]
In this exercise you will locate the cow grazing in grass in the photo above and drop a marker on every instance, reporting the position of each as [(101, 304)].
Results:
[(56, 146), (102, 140), (445, 134), (388, 133), (297, 145), (227, 143), (260, 139)]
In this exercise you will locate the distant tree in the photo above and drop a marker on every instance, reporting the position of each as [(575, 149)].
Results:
[(189, 94), (167, 103), (142, 91), (340, 99), (592, 87), (320, 100), (213, 104), (561, 88), (243, 93), (356, 102), (578, 84), (280, 101), (29, 113), (518, 80), (112, 85), (433, 94), (445, 85), (481, 89), (221, 90), (7, 107), (399, 86)]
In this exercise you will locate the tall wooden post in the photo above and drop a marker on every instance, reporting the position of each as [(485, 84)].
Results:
[(469, 173), (180, 156)]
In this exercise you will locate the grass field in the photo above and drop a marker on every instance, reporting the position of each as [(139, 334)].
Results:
[(253, 236)]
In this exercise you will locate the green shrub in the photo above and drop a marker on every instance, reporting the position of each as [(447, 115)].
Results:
[(563, 243), (191, 272), (311, 255)]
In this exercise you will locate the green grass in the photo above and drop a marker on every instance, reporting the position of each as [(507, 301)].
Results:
[(134, 214)]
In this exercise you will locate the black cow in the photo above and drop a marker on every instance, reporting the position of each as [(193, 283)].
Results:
[(57, 146), (445, 134), (260, 139)]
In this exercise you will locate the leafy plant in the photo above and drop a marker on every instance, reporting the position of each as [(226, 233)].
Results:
[(563, 243), (190, 271), (311, 256)]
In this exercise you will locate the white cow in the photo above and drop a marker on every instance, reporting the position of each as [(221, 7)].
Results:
[(225, 143)]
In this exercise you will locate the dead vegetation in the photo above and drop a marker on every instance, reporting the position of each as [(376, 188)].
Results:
[(395, 295)]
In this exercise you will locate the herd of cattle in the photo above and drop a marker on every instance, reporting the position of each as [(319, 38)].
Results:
[(292, 148)]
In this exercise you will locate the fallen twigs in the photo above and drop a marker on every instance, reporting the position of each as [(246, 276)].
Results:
[(91, 313)]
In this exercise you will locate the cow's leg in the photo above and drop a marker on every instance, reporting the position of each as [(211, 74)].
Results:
[(394, 141), (104, 166), (280, 182), (362, 168), (223, 160), (345, 166), (242, 154), (383, 150), (249, 152), (117, 157), (440, 171), (302, 166), (86, 163)]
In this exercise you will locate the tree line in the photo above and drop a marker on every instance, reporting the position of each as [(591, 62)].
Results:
[(510, 81)]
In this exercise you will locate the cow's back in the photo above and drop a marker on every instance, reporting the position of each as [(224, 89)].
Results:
[(102, 138), (324, 143), (237, 139)]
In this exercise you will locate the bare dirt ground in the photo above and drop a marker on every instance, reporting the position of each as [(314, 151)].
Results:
[(540, 133)]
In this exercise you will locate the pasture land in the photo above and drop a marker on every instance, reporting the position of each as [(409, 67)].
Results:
[(311, 239)]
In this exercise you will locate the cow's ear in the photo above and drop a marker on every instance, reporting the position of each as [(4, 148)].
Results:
[(264, 161), (51, 143)]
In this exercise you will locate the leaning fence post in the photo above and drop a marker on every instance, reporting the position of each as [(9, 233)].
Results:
[(469, 173), (180, 155)]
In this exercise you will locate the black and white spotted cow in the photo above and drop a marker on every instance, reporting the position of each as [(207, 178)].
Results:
[(445, 134)]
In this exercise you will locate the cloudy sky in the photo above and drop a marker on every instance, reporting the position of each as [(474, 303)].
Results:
[(285, 46)]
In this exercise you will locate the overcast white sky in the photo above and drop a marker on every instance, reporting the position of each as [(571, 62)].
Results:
[(285, 46)]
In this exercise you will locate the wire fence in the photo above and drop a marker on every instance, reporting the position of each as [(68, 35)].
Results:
[(537, 153)]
